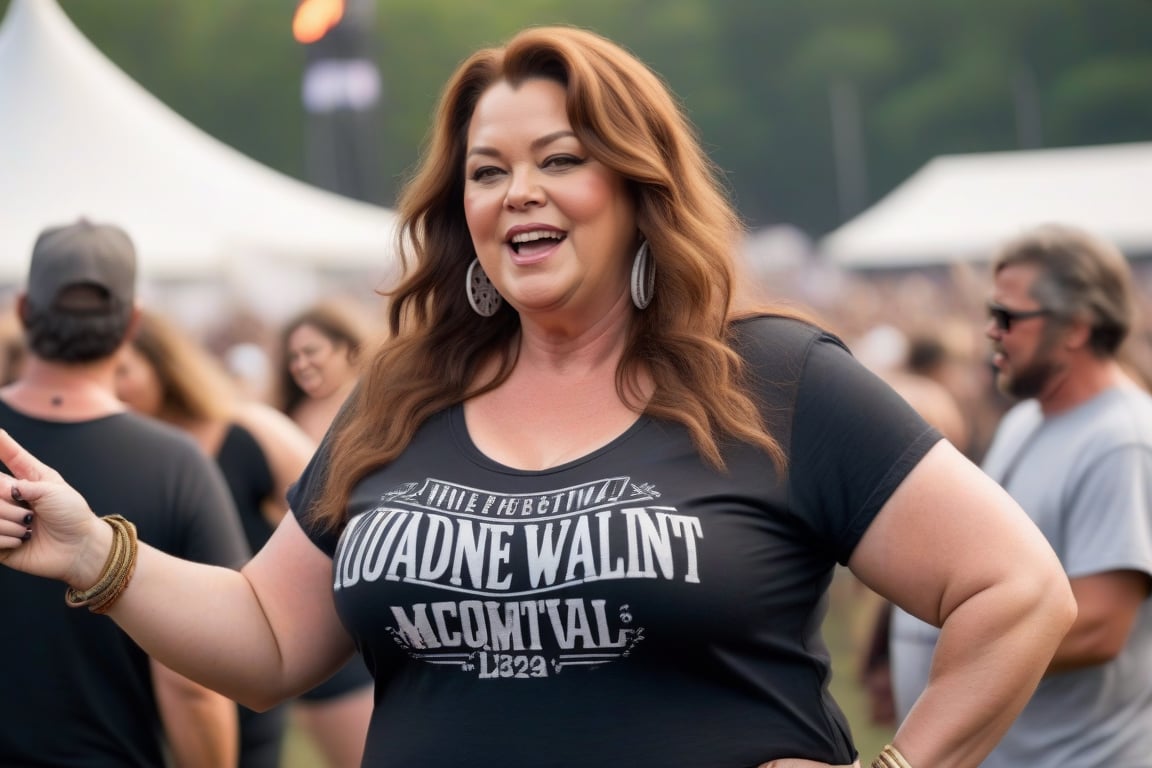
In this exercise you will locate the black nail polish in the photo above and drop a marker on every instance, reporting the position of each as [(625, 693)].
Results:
[(27, 535), (16, 495), (27, 518)]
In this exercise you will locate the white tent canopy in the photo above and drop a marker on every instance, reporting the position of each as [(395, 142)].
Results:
[(960, 207), (79, 137)]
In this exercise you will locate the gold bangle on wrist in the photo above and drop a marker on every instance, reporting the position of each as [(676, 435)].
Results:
[(890, 757), (117, 572)]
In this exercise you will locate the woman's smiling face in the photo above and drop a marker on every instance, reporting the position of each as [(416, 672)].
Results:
[(318, 364), (553, 227)]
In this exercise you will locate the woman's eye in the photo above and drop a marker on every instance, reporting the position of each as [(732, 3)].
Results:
[(484, 172), (562, 161)]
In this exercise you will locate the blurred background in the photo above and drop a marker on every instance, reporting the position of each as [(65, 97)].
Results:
[(877, 151), (814, 111), (814, 108)]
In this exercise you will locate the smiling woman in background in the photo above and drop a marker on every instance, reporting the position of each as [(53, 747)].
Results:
[(322, 349)]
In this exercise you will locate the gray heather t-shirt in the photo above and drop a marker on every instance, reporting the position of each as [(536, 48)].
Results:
[(1085, 478)]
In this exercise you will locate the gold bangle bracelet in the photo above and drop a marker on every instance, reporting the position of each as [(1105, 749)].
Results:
[(890, 757), (104, 604), (78, 597), (118, 569)]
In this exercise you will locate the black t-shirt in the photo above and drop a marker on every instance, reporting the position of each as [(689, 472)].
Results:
[(250, 482), (77, 691), (634, 607)]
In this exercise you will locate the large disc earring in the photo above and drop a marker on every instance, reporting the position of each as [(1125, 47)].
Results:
[(643, 277), (482, 295)]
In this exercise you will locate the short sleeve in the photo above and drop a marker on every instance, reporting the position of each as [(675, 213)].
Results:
[(302, 497), (853, 441), (1109, 514)]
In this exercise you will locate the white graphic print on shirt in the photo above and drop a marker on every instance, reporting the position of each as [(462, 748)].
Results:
[(503, 554)]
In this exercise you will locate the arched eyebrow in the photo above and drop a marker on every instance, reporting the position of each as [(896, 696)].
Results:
[(536, 144)]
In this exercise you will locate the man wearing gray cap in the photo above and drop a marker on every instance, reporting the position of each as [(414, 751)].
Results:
[(77, 691)]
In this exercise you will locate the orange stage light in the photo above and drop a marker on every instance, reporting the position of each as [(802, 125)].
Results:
[(314, 18)]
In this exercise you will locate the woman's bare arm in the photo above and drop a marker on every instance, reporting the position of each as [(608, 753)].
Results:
[(952, 548)]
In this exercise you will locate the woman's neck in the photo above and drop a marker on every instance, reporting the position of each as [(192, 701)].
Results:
[(597, 346)]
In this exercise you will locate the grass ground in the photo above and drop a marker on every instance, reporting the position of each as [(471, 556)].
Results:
[(849, 620), (299, 752), (848, 615)]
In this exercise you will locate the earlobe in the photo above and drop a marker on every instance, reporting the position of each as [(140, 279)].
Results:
[(1076, 336), (1079, 334)]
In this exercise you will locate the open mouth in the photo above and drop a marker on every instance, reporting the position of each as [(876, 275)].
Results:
[(538, 240)]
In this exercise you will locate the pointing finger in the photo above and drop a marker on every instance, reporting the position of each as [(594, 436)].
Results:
[(22, 465)]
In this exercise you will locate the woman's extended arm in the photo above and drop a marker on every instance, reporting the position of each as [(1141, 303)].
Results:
[(258, 636), (952, 548)]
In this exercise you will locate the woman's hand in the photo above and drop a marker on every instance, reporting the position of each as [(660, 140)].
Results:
[(46, 527)]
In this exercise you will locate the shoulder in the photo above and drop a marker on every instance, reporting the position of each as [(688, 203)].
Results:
[(287, 447), (1023, 416), (778, 331), (1121, 417), (271, 428), (1134, 406), (141, 432), (779, 341)]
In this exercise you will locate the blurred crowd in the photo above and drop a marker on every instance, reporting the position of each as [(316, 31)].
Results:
[(256, 398), (928, 321)]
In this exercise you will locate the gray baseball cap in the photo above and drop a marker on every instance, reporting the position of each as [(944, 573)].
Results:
[(82, 253)]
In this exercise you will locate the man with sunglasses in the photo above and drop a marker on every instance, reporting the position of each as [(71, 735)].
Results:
[(1076, 453)]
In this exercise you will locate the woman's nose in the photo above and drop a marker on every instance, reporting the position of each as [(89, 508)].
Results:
[(523, 190)]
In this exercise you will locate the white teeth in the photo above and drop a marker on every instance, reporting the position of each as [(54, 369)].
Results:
[(540, 234)]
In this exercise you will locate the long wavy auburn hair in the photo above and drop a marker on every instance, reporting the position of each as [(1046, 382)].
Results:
[(626, 119)]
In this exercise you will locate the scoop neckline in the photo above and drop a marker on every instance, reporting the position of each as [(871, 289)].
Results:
[(463, 440)]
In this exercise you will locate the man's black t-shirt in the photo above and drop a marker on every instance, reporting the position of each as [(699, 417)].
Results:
[(634, 607), (77, 691)]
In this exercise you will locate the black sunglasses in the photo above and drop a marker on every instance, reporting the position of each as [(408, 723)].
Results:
[(1004, 317)]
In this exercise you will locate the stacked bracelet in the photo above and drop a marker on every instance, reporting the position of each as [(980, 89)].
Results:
[(890, 757), (117, 571)]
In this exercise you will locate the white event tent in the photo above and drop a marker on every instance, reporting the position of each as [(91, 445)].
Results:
[(80, 137), (958, 208)]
